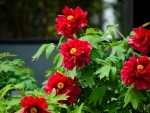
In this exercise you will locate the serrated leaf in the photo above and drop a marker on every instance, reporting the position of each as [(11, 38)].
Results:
[(102, 38), (50, 71), (6, 54), (101, 61), (73, 73), (90, 81), (53, 93), (39, 52), (104, 71), (78, 109), (90, 30), (59, 97), (4, 90), (97, 95), (49, 50), (91, 40)]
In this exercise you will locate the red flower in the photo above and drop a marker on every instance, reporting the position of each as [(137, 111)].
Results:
[(75, 53), (137, 71), (140, 41), (63, 85), (71, 21), (34, 105)]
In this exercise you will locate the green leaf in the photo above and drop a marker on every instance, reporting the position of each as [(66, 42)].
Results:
[(113, 72), (103, 38), (101, 61), (104, 71), (96, 53), (126, 99), (90, 30), (59, 97), (53, 93), (40, 51), (59, 63), (111, 26), (97, 95), (12, 102), (134, 99), (112, 35), (146, 24), (73, 73), (78, 109), (49, 50), (4, 90), (6, 54), (2, 108), (56, 58), (85, 108), (90, 81), (50, 71), (91, 40)]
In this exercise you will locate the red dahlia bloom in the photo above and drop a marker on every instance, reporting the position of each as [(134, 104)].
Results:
[(140, 41), (63, 85), (34, 105), (75, 53), (137, 72), (71, 21)]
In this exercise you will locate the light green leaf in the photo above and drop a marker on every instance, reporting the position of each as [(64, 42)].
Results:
[(134, 99), (78, 109), (53, 93), (101, 61), (56, 58), (113, 72), (59, 63), (90, 30), (40, 51), (104, 71), (91, 40), (49, 50), (126, 99), (73, 73), (146, 24), (111, 26), (2, 108), (97, 95), (4, 90)]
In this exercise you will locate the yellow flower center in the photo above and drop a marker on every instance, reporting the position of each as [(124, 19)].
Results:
[(73, 51), (140, 67), (60, 85), (70, 17), (33, 110)]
